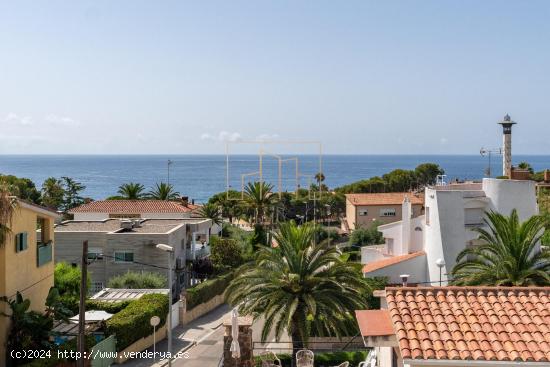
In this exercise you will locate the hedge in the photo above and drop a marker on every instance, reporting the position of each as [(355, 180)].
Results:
[(132, 323), (110, 307), (207, 290), (72, 303), (326, 359)]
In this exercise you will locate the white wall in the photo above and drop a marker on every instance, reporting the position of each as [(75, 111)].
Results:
[(415, 267), (506, 195), (91, 216)]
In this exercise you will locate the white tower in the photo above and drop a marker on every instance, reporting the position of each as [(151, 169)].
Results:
[(507, 145)]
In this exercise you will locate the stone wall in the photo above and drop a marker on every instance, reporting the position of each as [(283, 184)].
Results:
[(245, 343)]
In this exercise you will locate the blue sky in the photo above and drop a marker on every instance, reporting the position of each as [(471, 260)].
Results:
[(361, 77)]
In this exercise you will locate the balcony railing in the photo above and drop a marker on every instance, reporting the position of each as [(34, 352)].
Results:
[(44, 253)]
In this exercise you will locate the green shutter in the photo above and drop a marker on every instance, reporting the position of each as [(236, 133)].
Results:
[(21, 242), (24, 246)]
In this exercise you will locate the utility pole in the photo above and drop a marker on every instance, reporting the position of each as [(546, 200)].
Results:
[(82, 306)]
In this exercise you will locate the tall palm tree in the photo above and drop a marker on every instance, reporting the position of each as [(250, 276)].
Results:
[(259, 198), (212, 212), (163, 191), (508, 254), (298, 287), (8, 204), (131, 191)]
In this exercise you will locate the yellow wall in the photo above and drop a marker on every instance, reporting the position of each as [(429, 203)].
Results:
[(19, 270)]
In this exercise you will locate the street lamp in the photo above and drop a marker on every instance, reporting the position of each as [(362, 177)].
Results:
[(440, 264), (170, 251)]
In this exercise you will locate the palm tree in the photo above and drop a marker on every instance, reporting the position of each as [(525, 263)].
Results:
[(131, 191), (212, 212), (298, 287), (163, 191), (8, 204), (259, 198), (319, 177), (508, 255)]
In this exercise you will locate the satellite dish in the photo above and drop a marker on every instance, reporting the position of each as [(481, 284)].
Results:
[(155, 321)]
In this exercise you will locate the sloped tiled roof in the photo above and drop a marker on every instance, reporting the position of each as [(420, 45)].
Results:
[(134, 206), (472, 323), (374, 322), (375, 265), (389, 198)]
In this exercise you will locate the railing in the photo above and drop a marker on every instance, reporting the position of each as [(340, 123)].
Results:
[(44, 253)]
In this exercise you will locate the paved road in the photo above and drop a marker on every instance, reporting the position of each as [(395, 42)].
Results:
[(206, 332), (207, 352)]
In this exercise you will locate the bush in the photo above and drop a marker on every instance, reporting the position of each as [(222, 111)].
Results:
[(132, 323), (139, 280), (207, 290), (110, 307), (67, 279), (225, 254), (366, 236), (327, 359)]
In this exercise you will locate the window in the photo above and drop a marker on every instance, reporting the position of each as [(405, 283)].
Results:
[(20, 241), (387, 212), (363, 212), (95, 253), (124, 256)]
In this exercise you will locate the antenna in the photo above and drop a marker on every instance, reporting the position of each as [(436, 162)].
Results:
[(485, 152)]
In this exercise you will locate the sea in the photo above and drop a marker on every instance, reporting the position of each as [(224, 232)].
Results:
[(201, 176)]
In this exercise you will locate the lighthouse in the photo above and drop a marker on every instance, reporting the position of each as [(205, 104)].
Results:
[(507, 145)]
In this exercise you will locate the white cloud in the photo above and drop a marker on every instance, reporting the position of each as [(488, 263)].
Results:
[(267, 137), (13, 118), (63, 121), (222, 136)]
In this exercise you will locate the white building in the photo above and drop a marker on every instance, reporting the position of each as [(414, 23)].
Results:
[(414, 245), (101, 210)]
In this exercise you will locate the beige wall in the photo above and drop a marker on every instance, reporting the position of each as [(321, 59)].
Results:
[(19, 270), (373, 213)]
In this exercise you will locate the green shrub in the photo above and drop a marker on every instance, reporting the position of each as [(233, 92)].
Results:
[(67, 279), (110, 307), (225, 254), (207, 290), (132, 323), (139, 280), (326, 359)]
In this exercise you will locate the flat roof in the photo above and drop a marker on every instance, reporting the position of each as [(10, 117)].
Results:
[(387, 198), (124, 294), (114, 226)]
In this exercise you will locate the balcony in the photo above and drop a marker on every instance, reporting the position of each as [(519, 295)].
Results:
[(44, 253)]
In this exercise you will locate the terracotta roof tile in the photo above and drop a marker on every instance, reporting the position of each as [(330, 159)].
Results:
[(471, 323), (375, 265), (389, 198), (134, 207)]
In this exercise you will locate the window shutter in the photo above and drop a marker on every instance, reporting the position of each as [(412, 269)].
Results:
[(24, 244), (18, 242)]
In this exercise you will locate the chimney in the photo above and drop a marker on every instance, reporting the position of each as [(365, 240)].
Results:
[(406, 214), (507, 124), (547, 176), (184, 200), (404, 279)]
